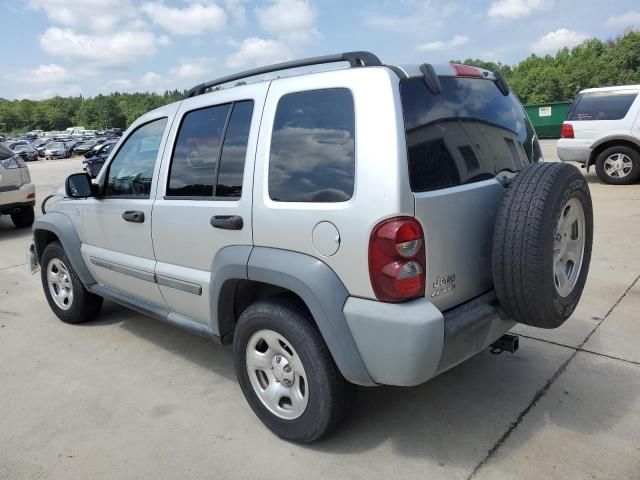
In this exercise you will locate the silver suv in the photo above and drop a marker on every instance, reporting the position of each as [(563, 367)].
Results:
[(375, 224)]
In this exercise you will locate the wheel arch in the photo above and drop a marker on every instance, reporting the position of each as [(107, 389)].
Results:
[(56, 226), (603, 144), (305, 280)]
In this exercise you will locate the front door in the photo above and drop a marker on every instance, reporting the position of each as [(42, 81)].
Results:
[(204, 202), (118, 248)]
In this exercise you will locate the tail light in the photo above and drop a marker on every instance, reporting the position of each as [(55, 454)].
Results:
[(31, 196), (397, 260), (567, 131)]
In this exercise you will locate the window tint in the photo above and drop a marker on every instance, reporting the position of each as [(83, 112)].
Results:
[(131, 171), (313, 148), (234, 151), (468, 132), (602, 105), (195, 155)]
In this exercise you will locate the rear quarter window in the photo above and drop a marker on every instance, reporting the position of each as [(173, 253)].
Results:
[(312, 156), (468, 132), (602, 105)]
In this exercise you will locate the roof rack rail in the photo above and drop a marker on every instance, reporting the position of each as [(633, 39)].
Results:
[(355, 59)]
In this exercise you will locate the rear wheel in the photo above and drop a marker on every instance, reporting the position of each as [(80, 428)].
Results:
[(618, 165), (24, 217), (542, 244), (286, 372), (66, 295)]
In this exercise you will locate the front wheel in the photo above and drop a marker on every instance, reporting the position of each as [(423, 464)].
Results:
[(618, 165), (65, 293), (286, 372)]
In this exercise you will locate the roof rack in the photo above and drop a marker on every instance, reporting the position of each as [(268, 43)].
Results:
[(355, 59)]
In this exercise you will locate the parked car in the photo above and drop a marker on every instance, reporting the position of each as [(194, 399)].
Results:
[(27, 152), (17, 193), (362, 225), (84, 147), (14, 143), (94, 164), (603, 129), (56, 150)]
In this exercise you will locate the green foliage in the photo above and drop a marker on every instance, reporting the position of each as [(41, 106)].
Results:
[(535, 80), (557, 78)]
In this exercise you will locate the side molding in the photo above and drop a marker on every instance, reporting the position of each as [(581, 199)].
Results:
[(62, 226), (323, 293)]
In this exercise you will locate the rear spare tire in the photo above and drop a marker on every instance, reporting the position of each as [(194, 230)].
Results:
[(542, 244)]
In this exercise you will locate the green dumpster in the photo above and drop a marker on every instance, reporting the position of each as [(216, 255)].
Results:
[(547, 118)]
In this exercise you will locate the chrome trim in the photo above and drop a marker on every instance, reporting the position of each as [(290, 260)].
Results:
[(182, 285), (133, 272)]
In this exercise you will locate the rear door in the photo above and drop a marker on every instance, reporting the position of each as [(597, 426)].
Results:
[(457, 142), (207, 176)]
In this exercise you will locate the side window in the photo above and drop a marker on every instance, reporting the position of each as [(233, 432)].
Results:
[(193, 166), (312, 156), (131, 171), (234, 151), (603, 105)]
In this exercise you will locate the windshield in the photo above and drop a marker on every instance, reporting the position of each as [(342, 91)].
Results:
[(469, 132), (20, 148), (56, 145)]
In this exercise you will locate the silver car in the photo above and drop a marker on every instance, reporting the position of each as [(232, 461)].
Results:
[(375, 224), (17, 193)]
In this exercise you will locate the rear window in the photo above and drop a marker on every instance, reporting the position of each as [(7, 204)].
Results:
[(602, 105), (469, 132)]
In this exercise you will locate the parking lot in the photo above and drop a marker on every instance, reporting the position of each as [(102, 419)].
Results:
[(129, 397)]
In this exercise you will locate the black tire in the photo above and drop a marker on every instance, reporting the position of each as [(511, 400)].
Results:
[(330, 395), (85, 305), (23, 218), (523, 244), (631, 177)]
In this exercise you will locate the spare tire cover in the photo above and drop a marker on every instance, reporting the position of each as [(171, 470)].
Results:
[(542, 244)]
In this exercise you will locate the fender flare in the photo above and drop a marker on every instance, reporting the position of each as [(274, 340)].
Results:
[(62, 227), (325, 296)]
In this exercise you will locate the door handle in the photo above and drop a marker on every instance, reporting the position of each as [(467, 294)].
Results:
[(227, 222), (134, 216)]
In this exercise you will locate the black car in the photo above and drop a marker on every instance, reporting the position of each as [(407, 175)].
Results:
[(27, 152), (84, 147), (94, 164)]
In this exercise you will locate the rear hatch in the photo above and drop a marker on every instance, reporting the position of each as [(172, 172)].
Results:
[(459, 141)]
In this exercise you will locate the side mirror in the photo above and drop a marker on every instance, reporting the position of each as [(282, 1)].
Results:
[(79, 185)]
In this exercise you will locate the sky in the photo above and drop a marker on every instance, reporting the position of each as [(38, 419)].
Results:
[(86, 47)]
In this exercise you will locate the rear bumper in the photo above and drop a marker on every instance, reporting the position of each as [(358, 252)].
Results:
[(19, 197), (407, 344), (574, 150)]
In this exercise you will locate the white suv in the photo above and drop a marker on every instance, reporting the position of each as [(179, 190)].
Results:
[(603, 129)]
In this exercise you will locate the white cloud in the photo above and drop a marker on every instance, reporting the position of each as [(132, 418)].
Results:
[(421, 13), (554, 41), (628, 19), (60, 90), (185, 75), (456, 41), (236, 11), (42, 75), (258, 51), (119, 48), (92, 15), (290, 20), (194, 19), (514, 9)]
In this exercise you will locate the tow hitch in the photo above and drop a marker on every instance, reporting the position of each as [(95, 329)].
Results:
[(506, 343)]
